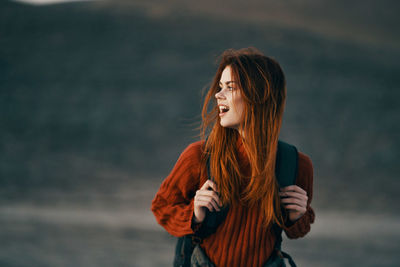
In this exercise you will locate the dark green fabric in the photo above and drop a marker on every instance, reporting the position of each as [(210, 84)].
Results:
[(275, 261), (183, 251), (199, 258), (286, 164)]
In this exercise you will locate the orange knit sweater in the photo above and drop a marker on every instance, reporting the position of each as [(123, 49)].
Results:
[(241, 239)]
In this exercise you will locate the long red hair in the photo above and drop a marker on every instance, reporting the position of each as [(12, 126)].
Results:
[(262, 85)]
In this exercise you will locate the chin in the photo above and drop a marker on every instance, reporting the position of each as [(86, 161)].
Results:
[(227, 125), (224, 124)]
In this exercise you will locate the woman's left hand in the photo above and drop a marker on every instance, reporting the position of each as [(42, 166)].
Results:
[(294, 199)]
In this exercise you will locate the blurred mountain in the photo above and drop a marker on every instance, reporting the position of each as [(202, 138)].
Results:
[(97, 95)]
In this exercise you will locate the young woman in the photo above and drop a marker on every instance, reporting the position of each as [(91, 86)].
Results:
[(243, 110)]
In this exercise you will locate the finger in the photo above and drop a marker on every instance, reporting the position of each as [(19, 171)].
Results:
[(209, 193), (293, 194), (295, 208), (209, 196), (205, 204), (208, 202), (293, 188), (209, 184), (294, 200), (287, 201), (215, 205)]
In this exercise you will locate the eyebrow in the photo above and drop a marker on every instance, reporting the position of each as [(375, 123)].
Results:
[(228, 82)]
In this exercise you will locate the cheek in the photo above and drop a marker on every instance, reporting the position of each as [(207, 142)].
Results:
[(239, 106)]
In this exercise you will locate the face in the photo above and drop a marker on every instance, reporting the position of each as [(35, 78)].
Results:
[(230, 101)]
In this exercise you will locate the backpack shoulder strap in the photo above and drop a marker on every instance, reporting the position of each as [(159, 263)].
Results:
[(286, 173), (286, 164)]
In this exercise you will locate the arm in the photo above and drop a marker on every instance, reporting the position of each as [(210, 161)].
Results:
[(298, 224), (173, 204)]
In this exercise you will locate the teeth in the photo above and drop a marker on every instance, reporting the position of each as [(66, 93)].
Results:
[(223, 108)]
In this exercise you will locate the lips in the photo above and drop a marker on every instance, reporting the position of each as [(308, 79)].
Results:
[(223, 108)]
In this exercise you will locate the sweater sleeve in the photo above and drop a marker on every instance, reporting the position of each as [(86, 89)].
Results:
[(304, 180), (173, 204)]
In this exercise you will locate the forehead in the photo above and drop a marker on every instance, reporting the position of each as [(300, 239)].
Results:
[(226, 75)]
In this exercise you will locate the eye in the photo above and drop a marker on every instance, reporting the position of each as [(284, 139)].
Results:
[(230, 88)]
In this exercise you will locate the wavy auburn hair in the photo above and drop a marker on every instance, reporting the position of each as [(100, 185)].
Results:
[(262, 85)]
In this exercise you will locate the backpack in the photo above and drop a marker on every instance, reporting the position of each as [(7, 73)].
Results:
[(285, 172)]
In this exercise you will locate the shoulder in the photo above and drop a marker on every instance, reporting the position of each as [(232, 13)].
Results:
[(304, 162), (194, 149), (192, 153), (304, 171), (185, 174)]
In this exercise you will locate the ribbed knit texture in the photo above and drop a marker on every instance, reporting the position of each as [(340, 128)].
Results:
[(242, 239)]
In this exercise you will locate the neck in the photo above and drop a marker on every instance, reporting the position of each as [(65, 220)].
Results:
[(241, 133)]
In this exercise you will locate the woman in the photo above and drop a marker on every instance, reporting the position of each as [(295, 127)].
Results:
[(247, 98)]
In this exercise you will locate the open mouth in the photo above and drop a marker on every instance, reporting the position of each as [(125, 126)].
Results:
[(223, 109)]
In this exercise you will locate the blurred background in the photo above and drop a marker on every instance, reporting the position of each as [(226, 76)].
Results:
[(99, 98)]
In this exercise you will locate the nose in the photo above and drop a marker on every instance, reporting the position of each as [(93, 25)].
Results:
[(219, 95)]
